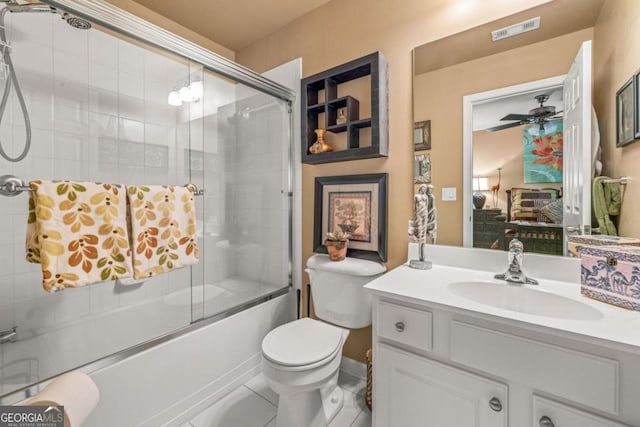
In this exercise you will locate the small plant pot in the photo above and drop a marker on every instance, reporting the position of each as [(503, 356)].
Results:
[(337, 249)]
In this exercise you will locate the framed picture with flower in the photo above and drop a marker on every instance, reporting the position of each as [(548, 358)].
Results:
[(543, 152), (354, 204)]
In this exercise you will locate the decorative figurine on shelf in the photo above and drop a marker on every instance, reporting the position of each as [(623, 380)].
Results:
[(320, 146), (423, 223), (342, 116)]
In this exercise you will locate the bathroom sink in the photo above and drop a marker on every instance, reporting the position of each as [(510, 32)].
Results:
[(524, 299)]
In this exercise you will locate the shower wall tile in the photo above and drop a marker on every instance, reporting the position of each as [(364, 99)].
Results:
[(130, 58), (67, 39), (102, 297), (38, 168), (155, 66), (132, 295), (40, 113), (20, 264), (6, 315), (68, 92), (131, 130), (103, 125), (131, 108), (6, 261), (70, 170), (101, 101), (69, 66), (73, 306), (40, 27), (103, 76), (103, 49), (27, 286), (71, 119), (69, 146), (34, 315), (131, 84), (156, 287), (32, 57)]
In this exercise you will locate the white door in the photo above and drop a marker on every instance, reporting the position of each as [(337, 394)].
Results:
[(577, 144), (412, 391)]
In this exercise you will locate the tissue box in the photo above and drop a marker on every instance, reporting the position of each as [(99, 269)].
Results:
[(575, 243), (611, 274)]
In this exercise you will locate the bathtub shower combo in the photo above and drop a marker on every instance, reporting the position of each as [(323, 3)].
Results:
[(93, 94)]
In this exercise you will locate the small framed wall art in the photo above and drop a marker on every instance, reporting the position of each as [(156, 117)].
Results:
[(422, 135), (626, 116), (354, 204)]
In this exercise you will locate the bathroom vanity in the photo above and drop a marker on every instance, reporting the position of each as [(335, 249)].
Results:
[(453, 347)]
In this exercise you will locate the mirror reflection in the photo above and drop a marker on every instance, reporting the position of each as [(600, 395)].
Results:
[(500, 106)]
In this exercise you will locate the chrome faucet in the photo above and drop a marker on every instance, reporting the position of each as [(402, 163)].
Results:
[(514, 273)]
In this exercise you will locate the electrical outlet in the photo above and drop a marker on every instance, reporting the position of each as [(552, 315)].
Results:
[(449, 194)]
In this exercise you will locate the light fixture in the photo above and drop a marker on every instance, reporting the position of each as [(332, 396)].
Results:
[(174, 98), (197, 90), (185, 94), (480, 184)]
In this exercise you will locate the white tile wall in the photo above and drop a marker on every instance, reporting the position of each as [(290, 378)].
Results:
[(99, 112)]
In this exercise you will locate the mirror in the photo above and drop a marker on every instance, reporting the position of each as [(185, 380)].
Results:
[(468, 63)]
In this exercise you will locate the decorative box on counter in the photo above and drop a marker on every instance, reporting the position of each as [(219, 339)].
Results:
[(611, 274), (575, 243)]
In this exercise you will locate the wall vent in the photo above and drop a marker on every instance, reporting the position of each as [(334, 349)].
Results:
[(515, 29)]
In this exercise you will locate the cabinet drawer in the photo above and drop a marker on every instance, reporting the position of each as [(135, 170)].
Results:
[(405, 325), (580, 377), (547, 413)]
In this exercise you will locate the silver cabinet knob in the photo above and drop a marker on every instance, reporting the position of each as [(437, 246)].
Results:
[(495, 404), (399, 326), (545, 422)]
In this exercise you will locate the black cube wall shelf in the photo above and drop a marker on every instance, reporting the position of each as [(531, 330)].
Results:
[(324, 114)]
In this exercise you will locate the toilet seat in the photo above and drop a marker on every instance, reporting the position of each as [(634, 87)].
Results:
[(302, 343)]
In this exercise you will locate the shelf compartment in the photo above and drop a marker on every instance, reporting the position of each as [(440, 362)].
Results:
[(323, 113)]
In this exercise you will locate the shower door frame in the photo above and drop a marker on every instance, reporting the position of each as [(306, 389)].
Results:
[(120, 21)]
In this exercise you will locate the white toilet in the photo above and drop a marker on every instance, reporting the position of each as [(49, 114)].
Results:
[(301, 359)]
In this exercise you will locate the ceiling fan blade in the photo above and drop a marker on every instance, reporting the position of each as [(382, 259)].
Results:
[(507, 126), (518, 117)]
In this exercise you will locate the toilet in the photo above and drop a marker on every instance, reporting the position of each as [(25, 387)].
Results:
[(301, 359)]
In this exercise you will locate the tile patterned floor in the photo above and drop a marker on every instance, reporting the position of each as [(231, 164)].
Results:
[(254, 404)]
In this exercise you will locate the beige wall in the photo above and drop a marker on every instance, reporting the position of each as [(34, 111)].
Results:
[(617, 58), (347, 29), (439, 98), (503, 149), (159, 20)]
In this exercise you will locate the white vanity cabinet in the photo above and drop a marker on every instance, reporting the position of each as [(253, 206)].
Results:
[(436, 366), (417, 391)]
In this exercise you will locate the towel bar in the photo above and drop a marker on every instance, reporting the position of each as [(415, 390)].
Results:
[(12, 185), (622, 180)]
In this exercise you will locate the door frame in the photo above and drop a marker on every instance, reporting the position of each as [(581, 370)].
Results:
[(468, 103)]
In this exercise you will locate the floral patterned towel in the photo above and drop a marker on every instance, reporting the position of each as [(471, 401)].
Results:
[(163, 228), (77, 231)]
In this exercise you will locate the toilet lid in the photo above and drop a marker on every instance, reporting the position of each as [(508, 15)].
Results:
[(301, 342)]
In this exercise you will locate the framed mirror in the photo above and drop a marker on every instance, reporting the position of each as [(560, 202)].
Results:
[(467, 83)]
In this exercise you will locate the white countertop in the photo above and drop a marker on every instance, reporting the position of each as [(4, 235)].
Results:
[(618, 327)]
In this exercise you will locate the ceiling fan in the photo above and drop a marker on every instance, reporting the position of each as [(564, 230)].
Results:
[(539, 115)]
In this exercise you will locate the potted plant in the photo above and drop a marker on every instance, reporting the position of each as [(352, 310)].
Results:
[(336, 243)]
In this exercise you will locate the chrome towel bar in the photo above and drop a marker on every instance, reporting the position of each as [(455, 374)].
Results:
[(11, 185)]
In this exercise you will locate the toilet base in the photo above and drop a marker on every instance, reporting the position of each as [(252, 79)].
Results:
[(315, 408)]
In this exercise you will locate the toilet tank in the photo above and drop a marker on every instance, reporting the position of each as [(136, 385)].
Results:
[(336, 289)]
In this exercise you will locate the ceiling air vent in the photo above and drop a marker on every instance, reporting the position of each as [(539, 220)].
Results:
[(515, 29)]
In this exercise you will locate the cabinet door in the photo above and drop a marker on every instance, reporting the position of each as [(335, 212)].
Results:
[(547, 413), (411, 391)]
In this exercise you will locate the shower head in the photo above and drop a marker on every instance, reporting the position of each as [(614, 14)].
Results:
[(74, 21)]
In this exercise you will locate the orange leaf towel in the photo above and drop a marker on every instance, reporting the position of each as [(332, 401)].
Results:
[(77, 231), (163, 228)]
